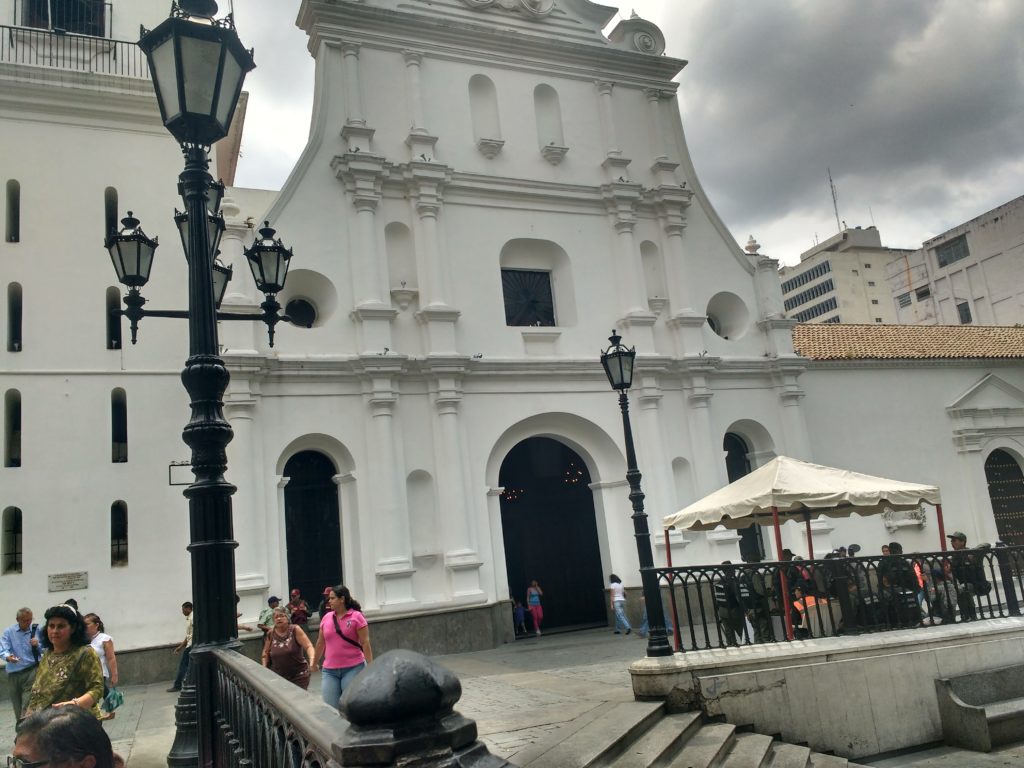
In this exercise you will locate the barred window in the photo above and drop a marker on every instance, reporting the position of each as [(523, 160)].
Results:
[(903, 300), (118, 426), (118, 534), (12, 540), (923, 292), (81, 17), (952, 250), (528, 297), (963, 310)]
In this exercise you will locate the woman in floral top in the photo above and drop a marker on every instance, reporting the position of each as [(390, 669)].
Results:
[(69, 672)]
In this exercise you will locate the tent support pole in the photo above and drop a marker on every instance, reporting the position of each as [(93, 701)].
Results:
[(942, 527), (672, 593), (787, 620), (810, 539)]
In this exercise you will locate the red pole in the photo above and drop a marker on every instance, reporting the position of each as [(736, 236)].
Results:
[(810, 540), (942, 527), (787, 620), (668, 550)]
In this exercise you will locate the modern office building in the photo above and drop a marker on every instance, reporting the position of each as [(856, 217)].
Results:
[(841, 280)]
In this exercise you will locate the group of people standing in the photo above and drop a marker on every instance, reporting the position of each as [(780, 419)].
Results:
[(68, 662)]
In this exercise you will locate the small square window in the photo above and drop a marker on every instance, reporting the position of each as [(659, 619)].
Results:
[(867, 266), (874, 301), (923, 292), (871, 283), (878, 319), (528, 297)]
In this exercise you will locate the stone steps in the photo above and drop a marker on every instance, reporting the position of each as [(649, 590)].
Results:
[(641, 735)]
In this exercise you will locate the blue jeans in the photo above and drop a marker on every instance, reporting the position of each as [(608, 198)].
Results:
[(620, 615), (333, 682), (179, 680)]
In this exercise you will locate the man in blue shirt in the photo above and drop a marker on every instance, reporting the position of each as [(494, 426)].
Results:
[(19, 647)]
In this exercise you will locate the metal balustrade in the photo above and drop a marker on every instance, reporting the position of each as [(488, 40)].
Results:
[(66, 51), (264, 720), (734, 604)]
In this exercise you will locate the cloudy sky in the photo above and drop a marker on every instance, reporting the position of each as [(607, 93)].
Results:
[(917, 106)]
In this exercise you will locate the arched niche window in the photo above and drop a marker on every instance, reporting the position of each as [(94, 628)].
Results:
[(12, 428), (398, 245), (109, 211), (118, 426), (654, 271), (118, 534), (113, 318), (423, 521), (483, 106), (12, 231), (11, 523), (548, 114), (14, 314)]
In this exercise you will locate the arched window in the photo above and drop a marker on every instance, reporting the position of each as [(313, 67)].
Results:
[(12, 231), (11, 540), (118, 534), (109, 211), (118, 426), (113, 318), (12, 428), (14, 313)]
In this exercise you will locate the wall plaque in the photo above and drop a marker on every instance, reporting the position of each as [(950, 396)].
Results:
[(63, 582)]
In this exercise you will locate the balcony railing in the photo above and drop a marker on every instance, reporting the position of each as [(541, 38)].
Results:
[(742, 604), (65, 51)]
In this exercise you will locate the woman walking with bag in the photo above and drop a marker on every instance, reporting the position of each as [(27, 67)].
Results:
[(103, 644), (343, 644), (287, 650)]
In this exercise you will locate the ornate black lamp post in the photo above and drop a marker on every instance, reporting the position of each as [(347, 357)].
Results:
[(618, 365), (198, 64)]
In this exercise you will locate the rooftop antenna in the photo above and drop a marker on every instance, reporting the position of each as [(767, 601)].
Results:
[(871, 215), (835, 201)]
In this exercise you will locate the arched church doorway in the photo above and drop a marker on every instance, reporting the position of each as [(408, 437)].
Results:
[(737, 465), (550, 532), (1006, 492), (312, 525)]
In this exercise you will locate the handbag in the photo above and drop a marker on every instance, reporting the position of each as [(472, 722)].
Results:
[(113, 699)]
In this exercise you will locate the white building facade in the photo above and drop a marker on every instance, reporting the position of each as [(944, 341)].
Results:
[(488, 189), (841, 280), (970, 274)]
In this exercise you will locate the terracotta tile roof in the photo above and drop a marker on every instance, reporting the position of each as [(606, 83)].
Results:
[(838, 341)]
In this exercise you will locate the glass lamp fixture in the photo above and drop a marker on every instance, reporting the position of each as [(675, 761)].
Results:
[(131, 251), (221, 278), (214, 223), (618, 363), (268, 260), (198, 65)]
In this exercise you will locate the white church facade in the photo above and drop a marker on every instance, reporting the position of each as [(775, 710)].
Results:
[(489, 188)]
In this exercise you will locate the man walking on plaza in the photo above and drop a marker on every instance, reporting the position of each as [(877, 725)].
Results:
[(20, 649), (184, 648)]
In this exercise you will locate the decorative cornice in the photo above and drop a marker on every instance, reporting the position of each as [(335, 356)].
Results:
[(535, 9)]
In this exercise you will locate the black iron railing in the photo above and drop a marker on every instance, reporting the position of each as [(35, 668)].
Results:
[(269, 721), (741, 604), (78, 53)]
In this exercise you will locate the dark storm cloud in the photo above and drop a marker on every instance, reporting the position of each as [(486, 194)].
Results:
[(908, 102)]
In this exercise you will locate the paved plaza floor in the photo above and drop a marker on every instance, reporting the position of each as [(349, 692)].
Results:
[(524, 696)]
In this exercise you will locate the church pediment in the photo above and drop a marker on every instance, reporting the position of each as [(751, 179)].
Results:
[(989, 395)]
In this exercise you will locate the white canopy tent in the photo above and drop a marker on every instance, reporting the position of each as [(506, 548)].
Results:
[(790, 489)]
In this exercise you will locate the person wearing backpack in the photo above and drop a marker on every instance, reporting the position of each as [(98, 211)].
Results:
[(343, 645)]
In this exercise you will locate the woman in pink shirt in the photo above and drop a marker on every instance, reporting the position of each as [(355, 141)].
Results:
[(343, 644)]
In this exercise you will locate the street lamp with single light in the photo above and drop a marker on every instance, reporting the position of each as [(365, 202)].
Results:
[(618, 362)]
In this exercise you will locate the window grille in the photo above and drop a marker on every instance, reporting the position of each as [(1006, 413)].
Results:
[(528, 297), (80, 17), (951, 251), (12, 540)]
